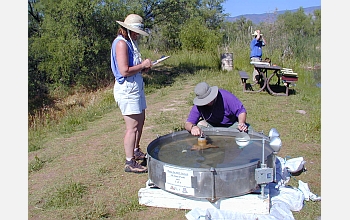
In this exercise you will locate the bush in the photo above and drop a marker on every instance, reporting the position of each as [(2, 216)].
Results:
[(196, 36)]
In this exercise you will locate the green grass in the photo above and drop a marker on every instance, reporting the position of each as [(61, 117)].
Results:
[(100, 189), (36, 165), (67, 195), (67, 121), (132, 205)]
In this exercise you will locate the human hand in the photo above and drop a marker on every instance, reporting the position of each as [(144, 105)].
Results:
[(146, 64), (196, 131), (242, 127)]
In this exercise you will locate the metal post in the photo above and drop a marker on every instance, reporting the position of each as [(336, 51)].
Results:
[(212, 170), (263, 165)]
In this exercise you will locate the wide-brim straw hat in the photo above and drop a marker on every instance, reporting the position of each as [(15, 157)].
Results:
[(204, 94), (134, 23), (256, 33)]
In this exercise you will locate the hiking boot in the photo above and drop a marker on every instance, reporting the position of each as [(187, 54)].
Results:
[(139, 155), (144, 162), (133, 166)]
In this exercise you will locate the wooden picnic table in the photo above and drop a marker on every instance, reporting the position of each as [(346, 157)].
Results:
[(266, 73), (264, 78), (263, 71)]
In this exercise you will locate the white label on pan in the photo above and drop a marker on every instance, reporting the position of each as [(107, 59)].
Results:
[(178, 176)]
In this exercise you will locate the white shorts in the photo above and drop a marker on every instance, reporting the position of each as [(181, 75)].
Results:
[(130, 96)]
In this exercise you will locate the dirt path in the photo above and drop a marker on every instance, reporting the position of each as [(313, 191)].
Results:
[(95, 157)]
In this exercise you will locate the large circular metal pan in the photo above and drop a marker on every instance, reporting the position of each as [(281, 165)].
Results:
[(226, 171)]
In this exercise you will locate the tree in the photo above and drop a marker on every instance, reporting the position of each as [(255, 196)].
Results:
[(296, 23), (75, 40), (317, 22), (169, 16), (202, 39), (69, 40), (212, 13)]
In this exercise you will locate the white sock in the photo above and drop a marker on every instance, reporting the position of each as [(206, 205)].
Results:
[(128, 158)]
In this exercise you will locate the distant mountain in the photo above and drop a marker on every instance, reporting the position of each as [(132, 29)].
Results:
[(270, 17)]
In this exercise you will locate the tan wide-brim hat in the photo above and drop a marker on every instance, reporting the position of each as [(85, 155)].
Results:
[(134, 23), (204, 94), (256, 33)]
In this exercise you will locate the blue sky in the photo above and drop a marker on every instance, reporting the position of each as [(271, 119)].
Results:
[(241, 7)]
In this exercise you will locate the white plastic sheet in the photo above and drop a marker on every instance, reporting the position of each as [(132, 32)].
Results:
[(284, 199), (304, 188)]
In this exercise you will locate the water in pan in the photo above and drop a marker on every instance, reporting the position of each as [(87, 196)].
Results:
[(228, 153)]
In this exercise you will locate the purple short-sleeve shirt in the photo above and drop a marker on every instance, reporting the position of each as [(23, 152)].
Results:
[(223, 113)]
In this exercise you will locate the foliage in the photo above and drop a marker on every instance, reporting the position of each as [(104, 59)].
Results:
[(168, 19), (202, 39), (299, 36), (212, 13), (297, 23), (69, 46), (169, 16), (238, 32), (69, 40), (317, 22)]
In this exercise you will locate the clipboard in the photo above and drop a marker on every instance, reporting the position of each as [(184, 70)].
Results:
[(160, 60)]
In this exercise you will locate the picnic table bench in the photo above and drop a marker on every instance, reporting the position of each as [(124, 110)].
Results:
[(244, 77), (286, 75)]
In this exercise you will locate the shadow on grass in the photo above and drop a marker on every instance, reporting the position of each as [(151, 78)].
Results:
[(156, 78), (282, 89), (160, 77), (279, 89)]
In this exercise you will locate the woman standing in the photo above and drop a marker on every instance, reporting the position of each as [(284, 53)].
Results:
[(126, 64)]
